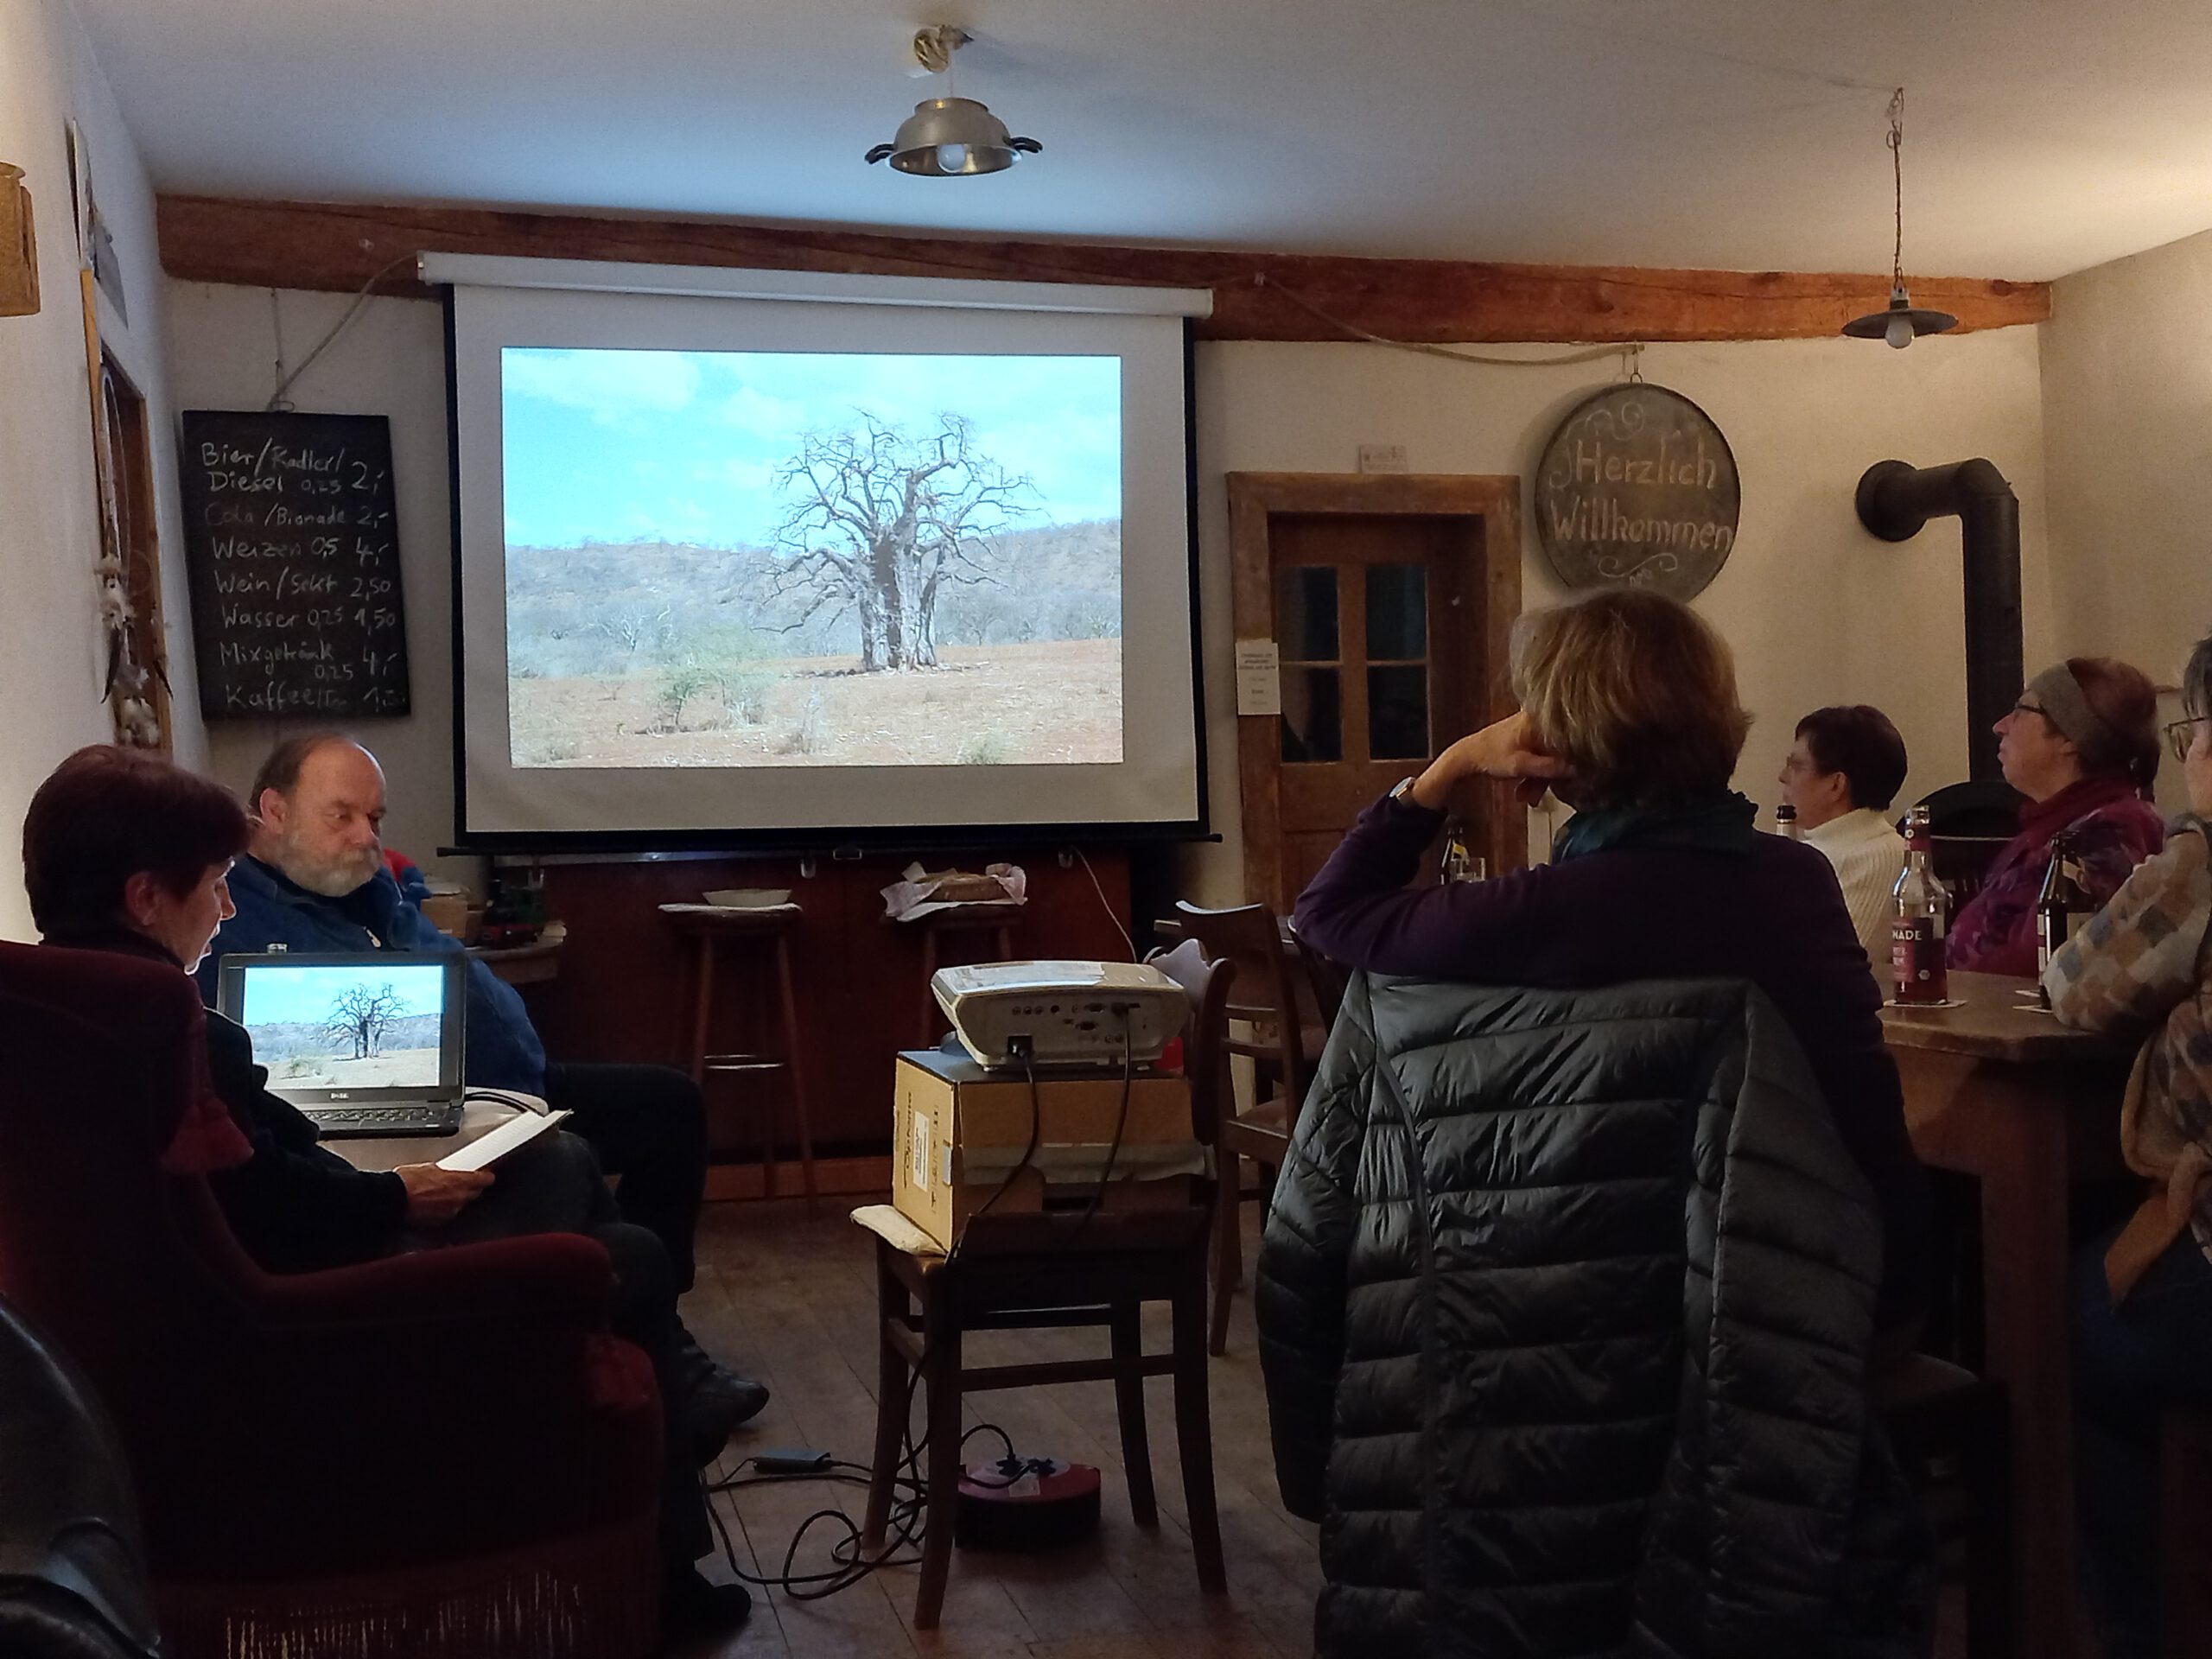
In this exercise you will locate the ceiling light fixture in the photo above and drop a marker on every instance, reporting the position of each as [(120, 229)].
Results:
[(950, 137), (1900, 321)]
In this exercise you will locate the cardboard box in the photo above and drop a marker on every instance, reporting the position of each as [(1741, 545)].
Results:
[(959, 1132)]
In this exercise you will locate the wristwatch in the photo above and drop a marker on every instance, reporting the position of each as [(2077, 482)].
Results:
[(1404, 788)]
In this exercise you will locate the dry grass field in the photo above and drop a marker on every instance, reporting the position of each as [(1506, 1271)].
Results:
[(1053, 702)]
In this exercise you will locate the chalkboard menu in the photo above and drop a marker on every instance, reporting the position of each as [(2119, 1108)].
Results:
[(292, 543), (1637, 488)]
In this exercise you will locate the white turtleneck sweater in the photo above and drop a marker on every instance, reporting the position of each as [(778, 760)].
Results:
[(1867, 854)]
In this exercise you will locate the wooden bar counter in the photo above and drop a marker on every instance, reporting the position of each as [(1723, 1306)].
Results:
[(1997, 1089)]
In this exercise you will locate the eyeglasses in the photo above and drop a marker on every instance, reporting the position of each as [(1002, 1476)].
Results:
[(2182, 733), (2024, 707)]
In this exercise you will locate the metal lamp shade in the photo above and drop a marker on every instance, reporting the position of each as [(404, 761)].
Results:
[(951, 137), (1877, 325)]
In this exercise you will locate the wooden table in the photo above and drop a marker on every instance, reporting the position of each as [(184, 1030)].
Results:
[(1999, 1090)]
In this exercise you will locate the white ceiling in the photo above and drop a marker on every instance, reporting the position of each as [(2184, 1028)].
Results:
[(2042, 135)]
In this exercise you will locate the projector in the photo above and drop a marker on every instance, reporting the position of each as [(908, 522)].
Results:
[(1060, 1013)]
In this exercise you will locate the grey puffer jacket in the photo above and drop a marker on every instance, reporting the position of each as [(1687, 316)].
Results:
[(1584, 1375)]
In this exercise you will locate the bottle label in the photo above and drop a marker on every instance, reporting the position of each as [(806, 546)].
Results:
[(1916, 959)]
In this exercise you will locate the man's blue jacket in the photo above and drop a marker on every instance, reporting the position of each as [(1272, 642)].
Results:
[(502, 1050)]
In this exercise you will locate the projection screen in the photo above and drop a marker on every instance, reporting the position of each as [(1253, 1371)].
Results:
[(748, 557)]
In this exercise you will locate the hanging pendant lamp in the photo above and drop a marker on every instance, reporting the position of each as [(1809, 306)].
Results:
[(950, 137), (1900, 321)]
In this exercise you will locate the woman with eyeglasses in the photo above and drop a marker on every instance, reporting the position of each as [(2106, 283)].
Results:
[(2143, 1293), (2082, 745)]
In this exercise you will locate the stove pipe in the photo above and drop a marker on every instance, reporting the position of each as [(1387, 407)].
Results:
[(1894, 500)]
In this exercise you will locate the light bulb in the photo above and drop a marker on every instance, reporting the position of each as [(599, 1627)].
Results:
[(952, 158), (1899, 331)]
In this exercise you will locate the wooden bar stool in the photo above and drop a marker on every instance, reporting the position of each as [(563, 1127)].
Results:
[(708, 931), (996, 921), (1023, 1273)]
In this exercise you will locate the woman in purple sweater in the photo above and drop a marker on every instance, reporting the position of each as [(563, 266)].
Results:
[(1630, 712)]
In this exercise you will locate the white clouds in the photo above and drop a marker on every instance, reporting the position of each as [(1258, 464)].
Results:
[(608, 385), (756, 414)]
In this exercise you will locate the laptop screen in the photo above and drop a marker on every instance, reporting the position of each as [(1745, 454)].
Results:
[(382, 1026)]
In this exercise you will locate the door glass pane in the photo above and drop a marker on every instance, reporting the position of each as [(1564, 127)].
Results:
[(1313, 716), (1305, 613), (1397, 612), (1397, 713)]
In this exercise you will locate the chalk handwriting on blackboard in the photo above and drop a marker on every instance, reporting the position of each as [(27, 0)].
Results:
[(292, 543)]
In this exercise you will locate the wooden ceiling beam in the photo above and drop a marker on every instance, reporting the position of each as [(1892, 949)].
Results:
[(339, 246)]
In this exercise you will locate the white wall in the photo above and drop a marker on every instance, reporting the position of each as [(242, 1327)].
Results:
[(50, 642), (1818, 611), (390, 360), (2127, 403)]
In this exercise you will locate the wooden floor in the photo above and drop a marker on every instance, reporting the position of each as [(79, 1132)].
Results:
[(792, 1302)]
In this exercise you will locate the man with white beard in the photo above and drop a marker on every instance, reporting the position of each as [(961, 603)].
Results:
[(315, 879)]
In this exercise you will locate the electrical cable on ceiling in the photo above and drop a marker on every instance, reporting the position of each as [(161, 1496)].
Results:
[(276, 397), (1588, 355)]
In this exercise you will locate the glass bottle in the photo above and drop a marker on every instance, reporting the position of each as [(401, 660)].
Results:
[(1460, 862), (1921, 918), (2064, 906), (1785, 823)]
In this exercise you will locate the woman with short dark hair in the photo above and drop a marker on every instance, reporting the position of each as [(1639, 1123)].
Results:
[(1628, 711), (2082, 745), (2142, 969), (126, 851)]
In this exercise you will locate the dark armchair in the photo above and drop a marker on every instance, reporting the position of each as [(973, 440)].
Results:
[(442, 1452)]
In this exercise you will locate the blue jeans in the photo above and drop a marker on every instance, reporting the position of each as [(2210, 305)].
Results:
[(2129, 1363)]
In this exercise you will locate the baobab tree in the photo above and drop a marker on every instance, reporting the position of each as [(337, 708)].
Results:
[(361, 1015), (881, 521)]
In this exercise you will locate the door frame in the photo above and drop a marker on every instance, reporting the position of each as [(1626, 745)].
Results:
[(1491, 500)]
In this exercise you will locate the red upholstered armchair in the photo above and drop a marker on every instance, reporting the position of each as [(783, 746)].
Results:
[(437, 1454)]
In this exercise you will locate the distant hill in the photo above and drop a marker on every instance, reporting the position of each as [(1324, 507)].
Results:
[(608, 608), (296, 1038)]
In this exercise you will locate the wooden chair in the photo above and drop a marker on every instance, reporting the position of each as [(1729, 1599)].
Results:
[(1270, 995), (1031, 1271), (1933, 1409)]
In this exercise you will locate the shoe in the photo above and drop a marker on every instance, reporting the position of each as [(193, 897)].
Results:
[(716, 1405), (691, 1607)]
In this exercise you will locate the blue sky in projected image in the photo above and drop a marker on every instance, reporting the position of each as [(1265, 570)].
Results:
[(300, 996), (623, 446)]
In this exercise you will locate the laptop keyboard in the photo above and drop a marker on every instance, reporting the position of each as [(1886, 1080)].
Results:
[(424, 1119)]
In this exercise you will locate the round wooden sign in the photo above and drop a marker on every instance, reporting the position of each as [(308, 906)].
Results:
[(1638, 487)]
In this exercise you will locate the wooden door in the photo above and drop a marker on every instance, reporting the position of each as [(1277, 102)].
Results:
[(1389, 599)]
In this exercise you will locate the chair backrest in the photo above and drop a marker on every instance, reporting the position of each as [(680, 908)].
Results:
[(1205, 1039), (1329, 979), (1269, 977), (127, 1270)]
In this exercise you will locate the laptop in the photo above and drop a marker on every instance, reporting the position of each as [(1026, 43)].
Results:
[(362, 1043)]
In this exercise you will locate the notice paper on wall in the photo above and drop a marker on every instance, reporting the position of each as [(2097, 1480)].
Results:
[(1259, 677)]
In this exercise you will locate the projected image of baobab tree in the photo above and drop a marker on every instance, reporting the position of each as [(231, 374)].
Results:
[(785, 559)]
